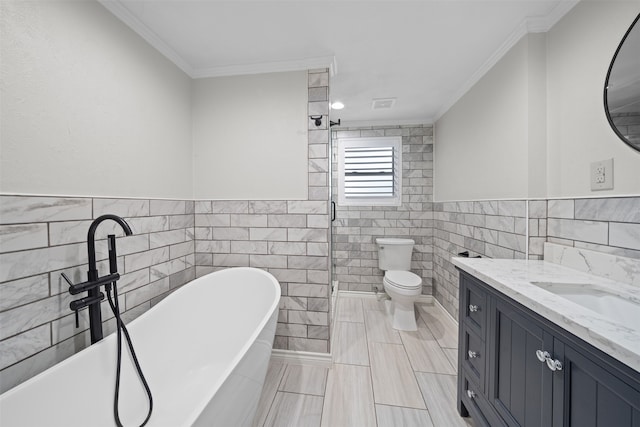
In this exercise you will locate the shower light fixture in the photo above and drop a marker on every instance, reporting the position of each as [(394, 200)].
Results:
[(337, 105)]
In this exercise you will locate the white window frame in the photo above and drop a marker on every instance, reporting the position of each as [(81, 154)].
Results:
[(374, 142)]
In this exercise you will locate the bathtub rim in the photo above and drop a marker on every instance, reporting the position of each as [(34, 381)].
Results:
[(200, 405)]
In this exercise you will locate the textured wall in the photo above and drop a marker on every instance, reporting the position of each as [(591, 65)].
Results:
[(88, 107), (355, 254), (250, 133), (579, 50), (492, 117)]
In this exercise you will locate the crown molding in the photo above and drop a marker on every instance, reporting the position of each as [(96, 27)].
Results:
[(558, 12), (122, 13), (529, 25)]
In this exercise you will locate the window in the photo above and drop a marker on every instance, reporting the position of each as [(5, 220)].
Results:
[(370, 171)]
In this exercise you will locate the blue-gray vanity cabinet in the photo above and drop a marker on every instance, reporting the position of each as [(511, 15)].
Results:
[(510, 383), (520, 385), (590, 392)]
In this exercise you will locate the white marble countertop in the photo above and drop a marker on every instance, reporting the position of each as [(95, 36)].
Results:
[(513, 278)]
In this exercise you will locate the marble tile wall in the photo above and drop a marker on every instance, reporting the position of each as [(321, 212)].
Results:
[(288, 238), (610, 225), (490, 228), (497, 229), (40, 237), (355, 253)]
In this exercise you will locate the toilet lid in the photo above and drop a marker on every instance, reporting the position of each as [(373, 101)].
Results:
[(403, 279)]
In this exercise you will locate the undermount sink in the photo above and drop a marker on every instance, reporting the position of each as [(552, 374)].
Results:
[(622, 309)]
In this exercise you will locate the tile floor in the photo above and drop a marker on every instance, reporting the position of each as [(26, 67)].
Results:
[(379, 377)]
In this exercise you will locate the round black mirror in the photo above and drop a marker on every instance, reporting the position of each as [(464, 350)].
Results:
[(622, 88)]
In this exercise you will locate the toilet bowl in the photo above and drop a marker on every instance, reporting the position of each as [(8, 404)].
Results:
[(402, 286)]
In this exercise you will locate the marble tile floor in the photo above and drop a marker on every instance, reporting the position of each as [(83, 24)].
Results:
[(380, 377)]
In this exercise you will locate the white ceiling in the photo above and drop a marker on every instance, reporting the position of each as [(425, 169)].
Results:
[(424, 53)]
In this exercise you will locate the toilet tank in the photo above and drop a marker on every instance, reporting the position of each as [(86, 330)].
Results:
[(394, 254)]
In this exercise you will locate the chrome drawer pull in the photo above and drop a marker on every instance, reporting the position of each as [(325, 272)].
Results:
[(554, 365), (542, 355), (473, 354), (471, 394), (473, 308)]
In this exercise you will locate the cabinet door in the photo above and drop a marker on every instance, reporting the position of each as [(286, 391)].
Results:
[(520, 386), (588, 395)]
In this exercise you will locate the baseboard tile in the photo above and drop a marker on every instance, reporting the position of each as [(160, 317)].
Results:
[(362, 294), (435, 301), (302, 357), (426, 299)]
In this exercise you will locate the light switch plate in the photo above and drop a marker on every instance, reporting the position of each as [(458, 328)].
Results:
[(602, 175)]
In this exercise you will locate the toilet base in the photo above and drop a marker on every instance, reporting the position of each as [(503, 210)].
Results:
[(402, 313)]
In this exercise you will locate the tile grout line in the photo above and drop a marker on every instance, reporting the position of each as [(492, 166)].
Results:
[(416, 377), (324, 394), (370, 367), (273, 399)]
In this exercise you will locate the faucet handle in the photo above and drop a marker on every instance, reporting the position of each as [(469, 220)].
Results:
[(66, 278), (81, 303)]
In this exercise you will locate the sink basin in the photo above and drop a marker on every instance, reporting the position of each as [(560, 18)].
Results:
[(622, 309)]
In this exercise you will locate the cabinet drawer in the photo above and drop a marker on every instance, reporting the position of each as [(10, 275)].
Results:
[(474, 308), (473, 356), (475, 402)]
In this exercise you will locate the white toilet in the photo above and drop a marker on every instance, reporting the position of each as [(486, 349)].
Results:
[(403, 286)]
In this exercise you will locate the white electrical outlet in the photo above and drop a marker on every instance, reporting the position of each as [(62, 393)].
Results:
[(602, 175)]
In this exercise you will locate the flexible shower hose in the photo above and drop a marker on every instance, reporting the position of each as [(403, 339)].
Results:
[(120, 328)]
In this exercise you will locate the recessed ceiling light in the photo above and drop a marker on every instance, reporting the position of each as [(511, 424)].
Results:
[(337, 105)]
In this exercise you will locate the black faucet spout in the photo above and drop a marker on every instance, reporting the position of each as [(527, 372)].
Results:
[(95, 316), (91, 239)]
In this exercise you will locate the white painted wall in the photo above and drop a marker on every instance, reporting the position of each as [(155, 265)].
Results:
[(250, 137), (88, 107), (580, 48), (481, 142), (510, 137), (537, 115)]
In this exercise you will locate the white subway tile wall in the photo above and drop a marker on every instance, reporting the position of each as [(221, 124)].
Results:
[(610, 225), (355, 229), (41, 237), (497, 229), (490, 228)]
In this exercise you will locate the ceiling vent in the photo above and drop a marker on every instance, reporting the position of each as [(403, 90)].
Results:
[(383, 103)]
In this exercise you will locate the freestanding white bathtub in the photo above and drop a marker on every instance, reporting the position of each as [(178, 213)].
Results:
[(204, 351)]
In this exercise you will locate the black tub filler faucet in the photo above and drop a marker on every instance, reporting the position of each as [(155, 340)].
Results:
[(92, 285), (93, 300)]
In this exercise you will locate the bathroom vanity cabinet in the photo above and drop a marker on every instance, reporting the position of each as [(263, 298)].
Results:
[(517, 368)]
